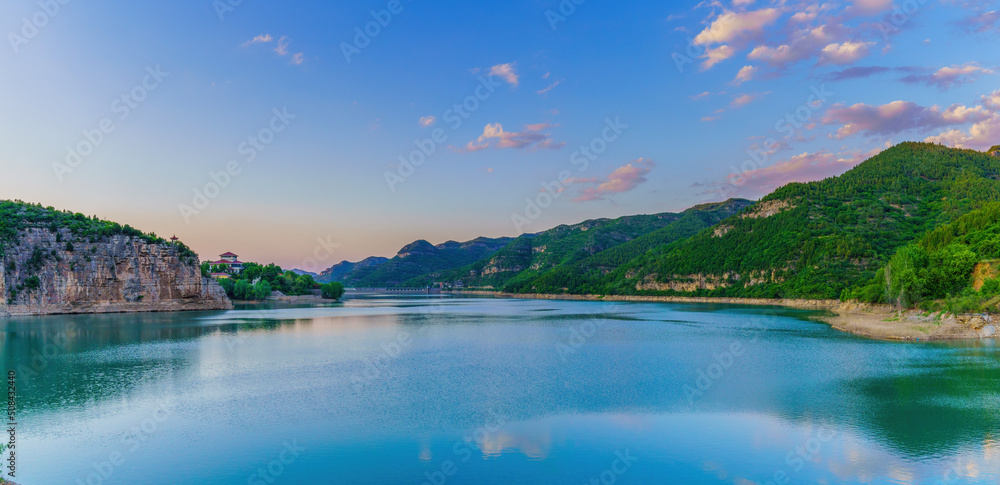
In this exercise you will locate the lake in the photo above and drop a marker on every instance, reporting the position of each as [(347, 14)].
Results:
[(438, 390)]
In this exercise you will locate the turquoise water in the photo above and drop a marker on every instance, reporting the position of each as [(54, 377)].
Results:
[(487, 391)]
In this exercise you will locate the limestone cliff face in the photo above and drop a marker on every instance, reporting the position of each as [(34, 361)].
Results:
[(42, 274)]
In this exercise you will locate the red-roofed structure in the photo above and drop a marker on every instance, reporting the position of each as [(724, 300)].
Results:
[(229, 262)]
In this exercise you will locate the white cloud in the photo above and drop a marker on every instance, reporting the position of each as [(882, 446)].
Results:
[(732, 25), (282, 48), (844, 53), (716, 55), (507, 72), (746, 74), (260, 39)]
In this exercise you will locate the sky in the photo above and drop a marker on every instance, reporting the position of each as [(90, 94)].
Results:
[(306, 133)]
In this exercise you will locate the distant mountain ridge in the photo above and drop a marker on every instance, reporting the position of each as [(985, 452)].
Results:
[(827, 239), (346, 271), (421, 258), (534, 257), (493, 262)]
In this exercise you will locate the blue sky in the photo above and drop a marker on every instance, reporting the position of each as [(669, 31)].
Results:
[(695, 92)]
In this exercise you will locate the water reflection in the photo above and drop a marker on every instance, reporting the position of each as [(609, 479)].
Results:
[(407, 378)]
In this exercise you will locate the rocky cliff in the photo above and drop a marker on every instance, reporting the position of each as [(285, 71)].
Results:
[(47, 270)]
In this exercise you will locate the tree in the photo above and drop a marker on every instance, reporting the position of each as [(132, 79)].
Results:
[(906, 283), (262, 290), (332, 291), (243, 290), (303, 284), (230, 287), (252, 271)]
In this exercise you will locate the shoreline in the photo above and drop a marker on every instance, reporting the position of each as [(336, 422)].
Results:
[(109, 307), (879, 322)]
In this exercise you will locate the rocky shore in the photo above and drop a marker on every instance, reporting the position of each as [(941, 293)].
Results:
[(871, 321), (45, 275)]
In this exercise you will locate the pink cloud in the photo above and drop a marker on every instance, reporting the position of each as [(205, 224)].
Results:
[(716, 55), (745, 99), (844, 53), (260, 39), (746, 74), (805, 167), (981, 135), (550, 87), (495, 136), (898, 117), (734, 25), (803, 44), (950, 76), (507, 72), (623, 179)]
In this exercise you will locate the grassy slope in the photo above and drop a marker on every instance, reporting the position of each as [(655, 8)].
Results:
[(590, 246), (836, 232)]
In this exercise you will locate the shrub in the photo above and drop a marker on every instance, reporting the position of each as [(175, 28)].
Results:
[(333, 290)]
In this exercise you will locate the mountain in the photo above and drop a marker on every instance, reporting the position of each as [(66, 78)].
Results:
[(815, 240), (345, 271), (860, 235), (417, 259), (301, 272), (60, 262), (957, 264), (543, 259)]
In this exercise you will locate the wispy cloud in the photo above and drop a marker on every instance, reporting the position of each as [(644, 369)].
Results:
[(744, 99), (282, 48), (805, 167), (548, 88), (948, 77), (731, 26), (898, 117), (982, 22), (260, 39), (623, 179), (507, 72), (494, 136), (857, 72), (716, 55), (981, 135), (746, 74), (844, 52), (426, 121)]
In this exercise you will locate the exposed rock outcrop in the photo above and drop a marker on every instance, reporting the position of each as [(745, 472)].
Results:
[(48, 272), (768, 209)]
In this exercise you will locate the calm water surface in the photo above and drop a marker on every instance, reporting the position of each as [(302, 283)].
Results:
[(482, 391)]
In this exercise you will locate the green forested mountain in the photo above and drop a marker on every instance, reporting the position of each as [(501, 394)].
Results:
[(422, 258), (957, 263), (562, 256), (932, 210), (814, 240), (348, 272)]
